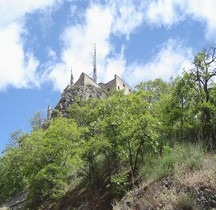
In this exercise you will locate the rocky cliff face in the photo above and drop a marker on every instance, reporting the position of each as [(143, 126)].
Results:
[(72, 92)]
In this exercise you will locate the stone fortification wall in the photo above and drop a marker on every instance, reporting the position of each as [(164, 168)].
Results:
[(86, 80), (118, 84), (108, 86), (121, 85)]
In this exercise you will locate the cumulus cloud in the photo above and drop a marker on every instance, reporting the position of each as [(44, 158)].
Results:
[(164, 12), (121, 17), (79, 43), (100, 22), (171, 59), (12, 10), (204, 11), (114, 65), (17, 67), (169, 12), (128, 16)]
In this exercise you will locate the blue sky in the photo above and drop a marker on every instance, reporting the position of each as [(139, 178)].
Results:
[(138, 40)]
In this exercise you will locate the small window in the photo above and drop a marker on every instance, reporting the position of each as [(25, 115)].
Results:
[(118, 88), (123, 85), (108, 89), (129, 90)]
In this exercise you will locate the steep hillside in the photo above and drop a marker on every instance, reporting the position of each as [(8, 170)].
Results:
[(183, 190), (154, 148), (181, 178)]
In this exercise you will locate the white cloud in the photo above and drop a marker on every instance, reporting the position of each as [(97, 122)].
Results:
[(169, 61), (51, 54), (169, 12), (12, 10), (115, 65), (16, 67), (60, 76), (204, 11), (119, 17), (79, 43), (163, 12), (100, 23), (128, 16)]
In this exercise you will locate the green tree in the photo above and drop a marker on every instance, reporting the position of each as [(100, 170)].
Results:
[(191, 109), (50, 154), (36, 121), (42, 161), (119, 129), (156, 88), (12, 180), (181, 108), (158, 95), (203, 73)]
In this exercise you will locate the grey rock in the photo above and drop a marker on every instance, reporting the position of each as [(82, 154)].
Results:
[(72, 93)]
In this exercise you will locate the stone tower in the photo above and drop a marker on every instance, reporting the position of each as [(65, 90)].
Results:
[(71, 79), (94, 66)]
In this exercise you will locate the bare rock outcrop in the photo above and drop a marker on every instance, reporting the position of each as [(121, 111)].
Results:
[(72, 93)]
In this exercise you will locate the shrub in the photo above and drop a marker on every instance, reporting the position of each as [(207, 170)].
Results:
[(159, 167), (119, 184), (189, 156), (165, 165), (49, 183), (183, 157)]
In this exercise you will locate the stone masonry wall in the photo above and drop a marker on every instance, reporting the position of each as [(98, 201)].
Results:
[(86, 80), (118, 84)]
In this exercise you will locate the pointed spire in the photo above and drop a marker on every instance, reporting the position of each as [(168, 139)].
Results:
[(94, 66), (71, 79)]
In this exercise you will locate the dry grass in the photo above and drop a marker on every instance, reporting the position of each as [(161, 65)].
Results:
[(181, 190), (3, 208)]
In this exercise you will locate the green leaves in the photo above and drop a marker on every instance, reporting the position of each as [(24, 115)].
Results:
[(104, 142), (120, 127), (36, 121), (42, 161), (11, 174), (53, 151), (49, 183)]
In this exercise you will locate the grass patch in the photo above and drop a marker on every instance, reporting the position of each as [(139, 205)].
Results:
[(185, 201), (173, 161)]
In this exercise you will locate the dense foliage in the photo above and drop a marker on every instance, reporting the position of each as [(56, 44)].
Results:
[(104, 142)]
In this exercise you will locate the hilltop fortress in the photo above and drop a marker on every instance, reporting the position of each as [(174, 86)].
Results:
[(86, 87), (117, 83)]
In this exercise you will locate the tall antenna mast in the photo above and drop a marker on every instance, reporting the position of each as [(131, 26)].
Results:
[(94, 66)]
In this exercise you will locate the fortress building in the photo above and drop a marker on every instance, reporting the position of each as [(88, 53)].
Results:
[(87, 87), (117, 83)]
